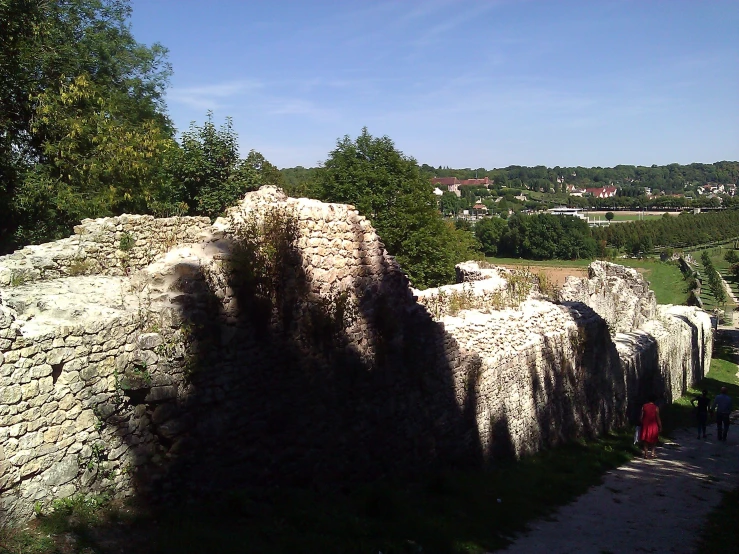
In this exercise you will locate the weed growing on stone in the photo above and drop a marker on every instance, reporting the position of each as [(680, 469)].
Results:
[(329, 316), (19, 277), (519, 284), (547, 287), (261, 266), (127, 242), (80, 267)]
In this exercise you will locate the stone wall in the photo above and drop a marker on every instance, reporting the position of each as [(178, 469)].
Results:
[(106, 246), (190, 376), (619, 294)]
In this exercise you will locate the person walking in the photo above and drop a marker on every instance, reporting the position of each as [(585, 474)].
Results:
[(701, 411), (651, 426), (722, 406)]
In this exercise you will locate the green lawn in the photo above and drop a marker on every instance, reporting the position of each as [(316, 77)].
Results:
[(717, 257), (721, 374), (618, 216)]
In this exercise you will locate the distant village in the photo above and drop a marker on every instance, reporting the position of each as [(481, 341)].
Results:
[(481, 207)]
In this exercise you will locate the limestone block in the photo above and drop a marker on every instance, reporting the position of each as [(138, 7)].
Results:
[(30, 390), (59, 355), (35, 466), (85, 421), (62, 472), (10, 394), (145, 358), (30, 440), (89, 372), (149, 341), (159, 394)]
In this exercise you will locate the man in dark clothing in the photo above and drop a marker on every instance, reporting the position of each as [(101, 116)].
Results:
[(701, 411), (722, 405)]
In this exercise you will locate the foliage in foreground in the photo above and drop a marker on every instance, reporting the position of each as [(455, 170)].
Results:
[(84, 130)]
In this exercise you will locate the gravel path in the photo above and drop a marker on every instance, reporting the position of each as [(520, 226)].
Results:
[(646, 505)]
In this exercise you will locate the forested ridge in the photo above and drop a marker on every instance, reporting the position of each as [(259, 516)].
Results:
[(672, 178)]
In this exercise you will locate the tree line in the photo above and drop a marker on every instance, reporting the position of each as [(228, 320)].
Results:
[(680, 231), (669, 178)]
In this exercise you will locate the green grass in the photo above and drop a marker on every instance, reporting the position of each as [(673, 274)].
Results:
[(722, 373), (722, 266), (720, 533), (451, 512), (665, 279), (618, 216)]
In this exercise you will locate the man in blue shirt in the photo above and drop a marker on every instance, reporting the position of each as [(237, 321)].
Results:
[(722, 405)]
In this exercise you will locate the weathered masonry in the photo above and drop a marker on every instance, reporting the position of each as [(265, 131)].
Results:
[(283, 345)]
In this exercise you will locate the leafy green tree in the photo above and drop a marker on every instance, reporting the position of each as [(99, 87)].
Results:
[(609, 216), (731, 256), (46, 47), (387, 186), (94, 162), (449, 203), (267, 174), (489, 232), (208, 171)]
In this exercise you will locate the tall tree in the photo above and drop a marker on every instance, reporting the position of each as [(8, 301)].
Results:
[(387, 187), (94, 162), (46, 46), (208, 171)]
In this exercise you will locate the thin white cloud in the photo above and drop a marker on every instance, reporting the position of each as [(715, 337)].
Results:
[(211, 96)]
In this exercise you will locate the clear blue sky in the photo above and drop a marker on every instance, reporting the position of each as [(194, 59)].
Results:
[(460, 84)]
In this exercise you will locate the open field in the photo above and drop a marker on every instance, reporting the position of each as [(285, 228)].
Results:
[(622, 216), (665, 278)]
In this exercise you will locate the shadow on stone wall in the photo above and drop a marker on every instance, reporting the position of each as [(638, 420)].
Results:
[(279, 394)]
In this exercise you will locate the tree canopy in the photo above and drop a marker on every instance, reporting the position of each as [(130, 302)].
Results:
[(81, 106), (388, 188), (84, 130)]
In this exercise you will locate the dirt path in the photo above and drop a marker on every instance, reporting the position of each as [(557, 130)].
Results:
[(645, 505)]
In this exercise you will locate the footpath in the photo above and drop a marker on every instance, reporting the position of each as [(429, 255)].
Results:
[(655, 505)]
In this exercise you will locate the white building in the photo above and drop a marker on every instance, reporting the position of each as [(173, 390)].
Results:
[(574, 212)]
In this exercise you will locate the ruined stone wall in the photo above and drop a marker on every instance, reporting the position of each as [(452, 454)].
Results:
[(97, 248), (619, 294), (175, 380)]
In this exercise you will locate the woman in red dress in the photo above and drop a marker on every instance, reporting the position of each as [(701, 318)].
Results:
[(651, 426)]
